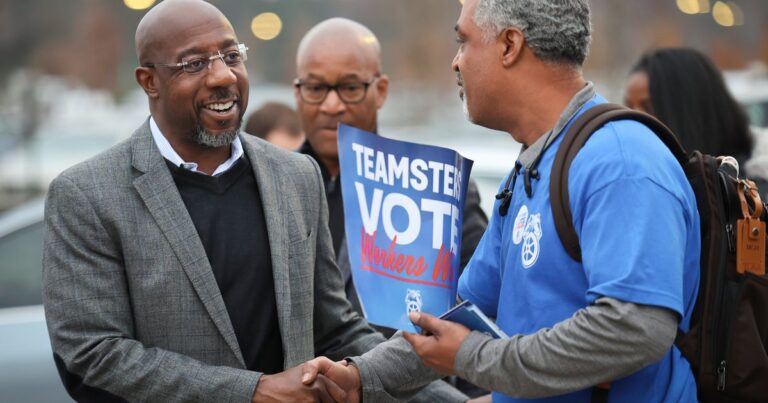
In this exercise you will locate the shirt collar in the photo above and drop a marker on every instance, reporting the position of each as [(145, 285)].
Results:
[(167, 151), (307, 149), (528, 155)]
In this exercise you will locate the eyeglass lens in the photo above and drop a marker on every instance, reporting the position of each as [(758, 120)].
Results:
[(231, 57), (350, 92)]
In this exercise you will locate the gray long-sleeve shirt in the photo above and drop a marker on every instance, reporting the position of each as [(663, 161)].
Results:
[(603, 342)]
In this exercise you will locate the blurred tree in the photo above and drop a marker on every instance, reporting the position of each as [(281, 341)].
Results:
[(91, 54), (92, 40)]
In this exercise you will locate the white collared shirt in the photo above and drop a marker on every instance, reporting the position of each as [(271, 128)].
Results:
[(167, 151)]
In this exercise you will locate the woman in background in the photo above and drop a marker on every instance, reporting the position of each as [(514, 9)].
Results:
[(683, 89)]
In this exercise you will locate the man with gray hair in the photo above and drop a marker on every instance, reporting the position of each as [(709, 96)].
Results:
[(610, 317)]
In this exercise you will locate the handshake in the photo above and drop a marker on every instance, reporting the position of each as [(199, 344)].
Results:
[(325, 380), (320, 380)]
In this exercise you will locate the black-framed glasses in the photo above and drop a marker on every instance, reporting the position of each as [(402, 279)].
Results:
[(231, 57), (350, 92)]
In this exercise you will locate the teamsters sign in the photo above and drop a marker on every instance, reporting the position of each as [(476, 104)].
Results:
[(403, 208)]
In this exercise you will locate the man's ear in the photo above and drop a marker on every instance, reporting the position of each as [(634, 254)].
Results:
[(382, 89), (512, 40), (297, 97), (145, 76)]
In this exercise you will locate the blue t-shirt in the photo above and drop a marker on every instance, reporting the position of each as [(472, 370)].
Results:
[(638, 226)]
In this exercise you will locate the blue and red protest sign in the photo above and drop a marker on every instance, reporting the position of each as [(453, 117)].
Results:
[(403, 209)]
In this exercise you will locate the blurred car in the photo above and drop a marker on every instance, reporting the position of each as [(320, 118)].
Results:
[(750, 88), (27, 370)]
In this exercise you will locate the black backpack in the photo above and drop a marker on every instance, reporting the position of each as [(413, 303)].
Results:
[(728, 338)]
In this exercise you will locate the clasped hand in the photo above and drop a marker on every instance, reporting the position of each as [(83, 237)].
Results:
[(295, 385), (437, 350), (341, 373)]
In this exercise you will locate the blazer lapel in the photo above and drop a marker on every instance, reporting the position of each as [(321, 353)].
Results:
[(267, 173), (161, 196)]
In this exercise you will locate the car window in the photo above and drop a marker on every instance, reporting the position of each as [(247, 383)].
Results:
[(21, 262), (758, 113)]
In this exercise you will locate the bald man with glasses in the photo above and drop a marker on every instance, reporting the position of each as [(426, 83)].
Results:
[(338, 65)]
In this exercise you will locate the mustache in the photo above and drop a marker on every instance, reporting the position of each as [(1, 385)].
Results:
[(221, 94), (332, 123), (459, 80)]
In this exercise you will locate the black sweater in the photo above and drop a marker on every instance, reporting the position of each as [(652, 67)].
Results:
[(229, 218)]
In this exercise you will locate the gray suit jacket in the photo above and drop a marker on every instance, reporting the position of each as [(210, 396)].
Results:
[(131, 303)]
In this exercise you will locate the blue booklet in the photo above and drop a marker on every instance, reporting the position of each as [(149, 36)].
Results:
[(469, 315)]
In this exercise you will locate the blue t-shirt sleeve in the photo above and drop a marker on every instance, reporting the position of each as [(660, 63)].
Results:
[(634, 239), (481, 280)]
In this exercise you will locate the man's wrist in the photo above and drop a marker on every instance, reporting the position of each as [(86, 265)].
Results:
[(468, 351), (356, 374), (255, 397)]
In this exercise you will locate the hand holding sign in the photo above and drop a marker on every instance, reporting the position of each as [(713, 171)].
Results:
[(438, 350)]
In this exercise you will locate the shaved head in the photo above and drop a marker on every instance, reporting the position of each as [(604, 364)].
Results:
[(338, 54), (168, 21), (340, 33), (196, 110)]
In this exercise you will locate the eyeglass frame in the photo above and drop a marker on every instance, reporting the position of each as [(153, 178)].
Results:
[(335, 87), (241, 48)]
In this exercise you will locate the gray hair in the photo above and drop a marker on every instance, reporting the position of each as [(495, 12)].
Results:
[(557, 31), (205, 138)]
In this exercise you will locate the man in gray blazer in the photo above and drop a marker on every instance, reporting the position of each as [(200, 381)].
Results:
[(190, 263)]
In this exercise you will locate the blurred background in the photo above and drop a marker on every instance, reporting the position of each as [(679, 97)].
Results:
[(67, 92), (66, 69)]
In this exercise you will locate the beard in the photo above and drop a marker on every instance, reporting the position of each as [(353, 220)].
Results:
[(205, 138)]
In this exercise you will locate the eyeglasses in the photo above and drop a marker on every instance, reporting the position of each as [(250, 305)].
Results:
[(231, 57), (350, 92)]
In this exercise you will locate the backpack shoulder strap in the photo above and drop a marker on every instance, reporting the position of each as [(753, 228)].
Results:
[(573, 140)]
